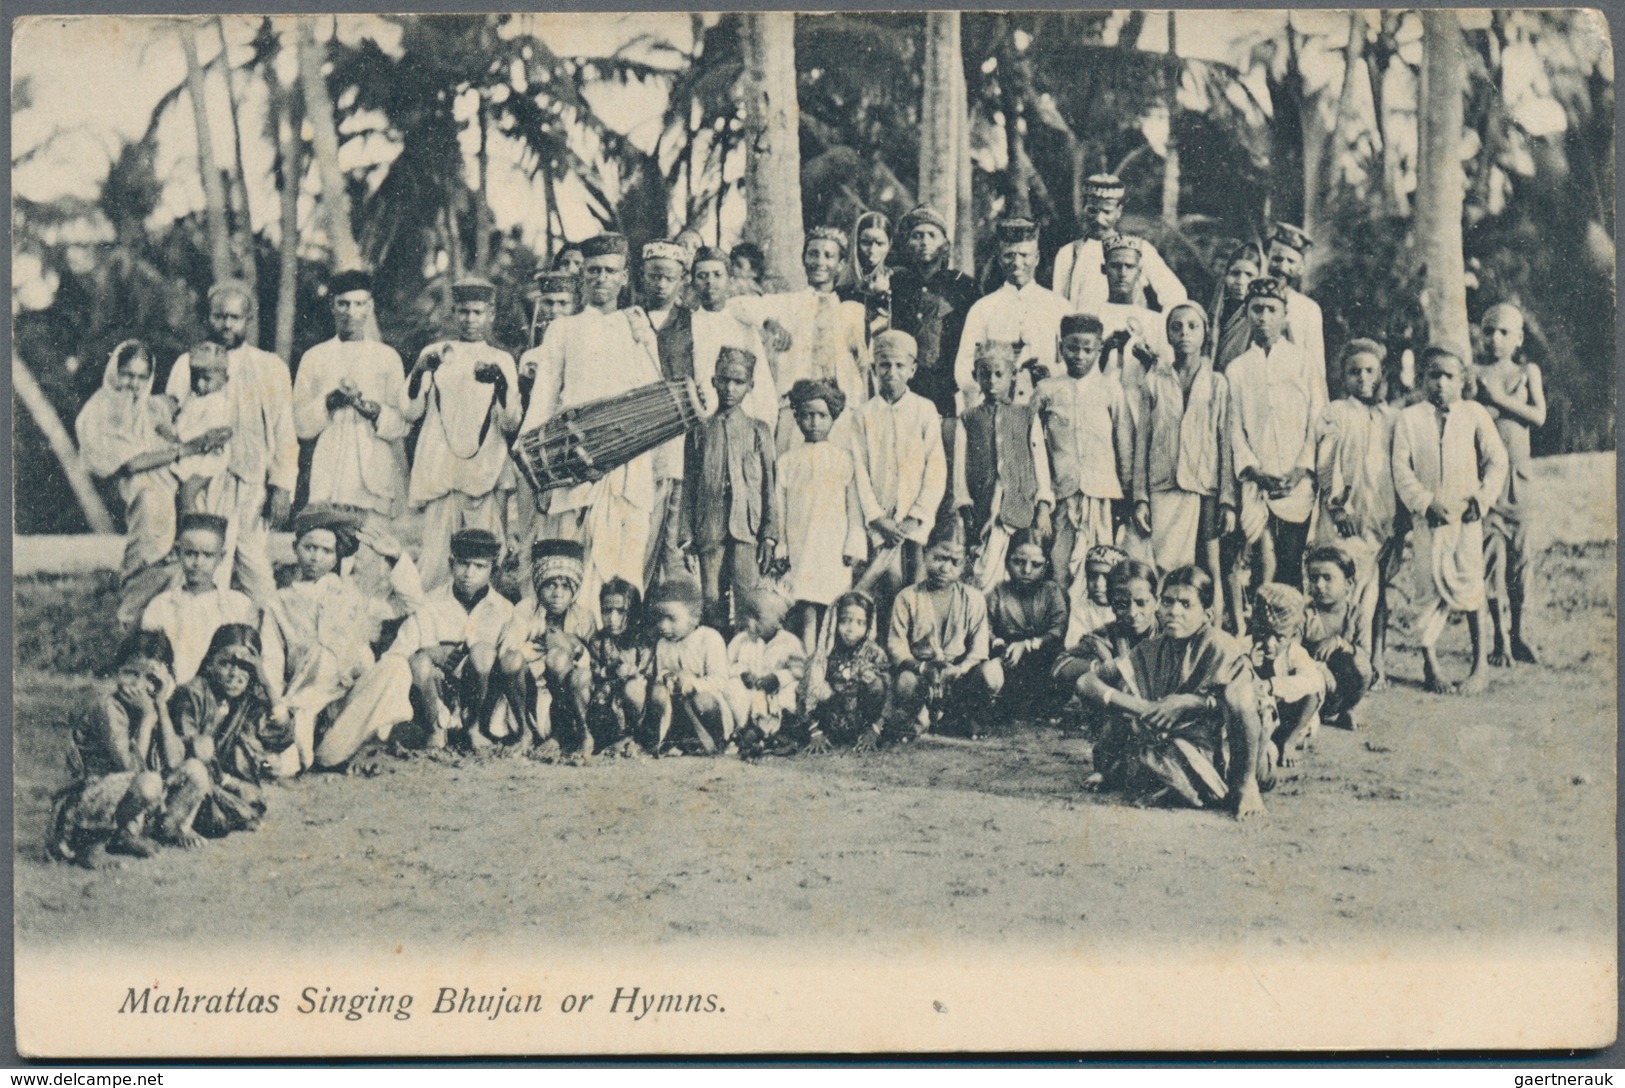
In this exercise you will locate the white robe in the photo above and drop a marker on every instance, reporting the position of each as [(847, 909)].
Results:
[(356, 462)]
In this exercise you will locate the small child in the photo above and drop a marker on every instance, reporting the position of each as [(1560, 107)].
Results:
[(938, 642), (622, 663), (1355, 485), (205, 416), (134, 784), (731, 521), (189, 613), (226, 717), (1286, 672), (1337, 633), (824, 535), (847, 688), (1001, 466), (1449, 468), (766, 664), (691, 667), (543, 668), (1183, 710), (1089, 436), (1027, 619), (1092, 610), (1514, 393)]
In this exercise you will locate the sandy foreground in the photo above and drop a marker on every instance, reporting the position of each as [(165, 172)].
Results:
[(1449, 828)]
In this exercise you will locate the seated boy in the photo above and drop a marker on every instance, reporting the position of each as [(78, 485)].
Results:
[(437, 672), (1183, 710), (847, 688), (190, 613), (938, 642), (1449, 468), (766, 664), (133, 777), (1132, 589), (622, 663), (1337, 633), (543, 668), (1286, 672), (691, 667)]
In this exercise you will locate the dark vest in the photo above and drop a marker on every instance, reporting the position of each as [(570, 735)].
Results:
[(998, 448), (676, 344)]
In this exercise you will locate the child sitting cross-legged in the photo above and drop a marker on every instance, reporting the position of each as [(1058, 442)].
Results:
[(767, 663), (622, 662), (687, 710), (846, 687), (135, 785), (1285, 670), (938, 642), (1182, 710)]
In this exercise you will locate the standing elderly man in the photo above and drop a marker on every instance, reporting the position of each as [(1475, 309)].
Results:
[(1305, 326), (264, 461), (603, 351), (350, 398)]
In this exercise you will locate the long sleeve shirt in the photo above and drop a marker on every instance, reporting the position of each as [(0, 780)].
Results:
[(1353, 464), (442, 618), (1306, 328), (902, 471), (1183, 437), (1448, 460), (701, 657), (828, 339), (357, 462), (1079, 277), (1029, 316), (191, 619), (1291, 677), (1275, 407), (452, 455), (729, 491), (1089, 433), (954, 630), (264, 442)]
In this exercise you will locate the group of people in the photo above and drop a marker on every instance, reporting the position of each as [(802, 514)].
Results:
[(906, 506)]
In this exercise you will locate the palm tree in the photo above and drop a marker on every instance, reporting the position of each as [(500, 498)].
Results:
[(772, 147), (1439, 190)]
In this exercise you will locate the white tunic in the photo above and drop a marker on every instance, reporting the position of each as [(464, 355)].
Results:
[(827, 339), (356, 462), (454, 407), (1078, 277), (1030, 315), (823, 520), (264, 447)]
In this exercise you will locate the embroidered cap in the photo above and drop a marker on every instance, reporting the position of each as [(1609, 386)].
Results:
[(1277, 610), (829, 234), (923, 215), (557, 559), (665, 251), (553, 281), (1290, 236), (1103, 187), (738, 357), (1267, 287), (1011, 232), (474, 290)]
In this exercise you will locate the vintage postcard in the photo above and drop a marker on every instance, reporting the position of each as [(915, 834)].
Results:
[(692, 533)]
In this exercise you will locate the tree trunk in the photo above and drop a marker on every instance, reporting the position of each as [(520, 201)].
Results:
[(772, 144), (1286, 137), (964, 240), (939, 121), (1439, 183), (291, 172), (214, 193), (325, 148), (1376, 63), (482, 207), (1170, 166), (39, 409), (1013, 104), (244, 245)]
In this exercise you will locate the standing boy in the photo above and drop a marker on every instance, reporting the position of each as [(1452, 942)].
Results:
[(1514, 393), (730, 518), (1449, 468), (466, 392)]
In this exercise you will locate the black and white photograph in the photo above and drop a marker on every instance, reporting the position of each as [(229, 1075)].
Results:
[(774, 533)]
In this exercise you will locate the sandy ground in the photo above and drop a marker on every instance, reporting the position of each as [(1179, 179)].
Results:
[(1486, 819)]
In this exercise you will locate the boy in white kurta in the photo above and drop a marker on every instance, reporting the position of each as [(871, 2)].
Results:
[(691, 671), (824, 534), (466, 392), (1449, 468), (206, 415), (190, 613), (350, 398), (765, 665)]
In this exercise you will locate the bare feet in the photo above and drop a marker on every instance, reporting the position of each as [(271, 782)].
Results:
[(478, 741), (1475, 684), (186, 839), (1291, 753), (1379, 682), (1433, 683), (1499, 657), (98, 857), (1522, 651), (1096, 781), (1350, 720), (1249, 802), (132, 845)]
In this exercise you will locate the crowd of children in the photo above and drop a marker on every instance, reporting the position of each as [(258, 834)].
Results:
[(1131, 516)]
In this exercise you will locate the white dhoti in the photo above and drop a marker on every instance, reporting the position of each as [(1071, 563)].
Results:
[(1082, 522), (380, 701), (988, 570), (1176, 517), (1449, 573)]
